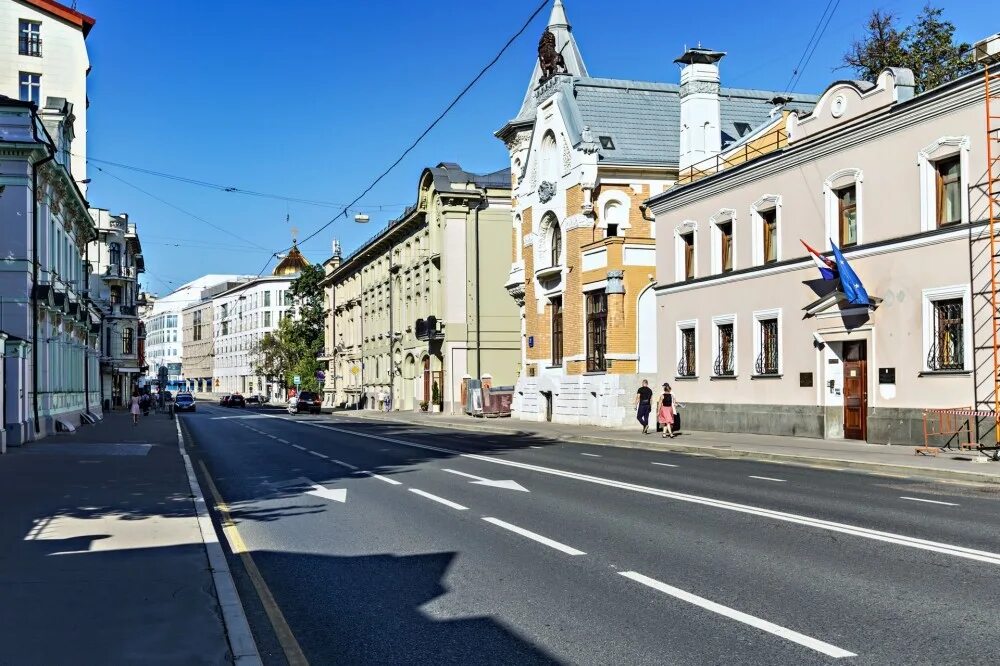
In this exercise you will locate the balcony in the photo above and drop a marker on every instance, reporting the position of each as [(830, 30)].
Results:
[(428, 329), (118, 310), (119, 272)]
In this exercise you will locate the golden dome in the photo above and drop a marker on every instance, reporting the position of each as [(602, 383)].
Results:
[(292, 264)]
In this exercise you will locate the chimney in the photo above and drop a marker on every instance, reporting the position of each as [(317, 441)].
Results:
[(700, 130)]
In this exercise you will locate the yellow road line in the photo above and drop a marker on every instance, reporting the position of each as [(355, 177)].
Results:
[(289, 645)]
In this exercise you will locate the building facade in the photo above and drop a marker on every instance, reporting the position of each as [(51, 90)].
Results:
[(116, 262), (585, 154), (422, 306), (198, 341), (756, 341)]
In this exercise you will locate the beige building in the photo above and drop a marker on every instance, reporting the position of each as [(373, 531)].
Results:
[(198, 346), (422, 305), (756, 341)]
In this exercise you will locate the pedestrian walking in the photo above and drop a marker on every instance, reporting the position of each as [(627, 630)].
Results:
[(644, 405), (135, 409), (665, 411)]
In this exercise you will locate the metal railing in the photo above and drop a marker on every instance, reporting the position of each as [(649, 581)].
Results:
[(30, 45), (724, 366), (113, 270), (763, 145)]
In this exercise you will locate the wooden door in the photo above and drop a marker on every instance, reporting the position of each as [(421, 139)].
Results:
[(427, 380), (856, 390)]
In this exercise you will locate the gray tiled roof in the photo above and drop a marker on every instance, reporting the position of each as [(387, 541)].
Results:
[(643, 118)]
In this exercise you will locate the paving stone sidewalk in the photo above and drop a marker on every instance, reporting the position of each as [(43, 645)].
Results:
[(101, 556), (899, 459)]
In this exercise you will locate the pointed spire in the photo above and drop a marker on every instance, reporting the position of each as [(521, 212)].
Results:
[(557, 19)]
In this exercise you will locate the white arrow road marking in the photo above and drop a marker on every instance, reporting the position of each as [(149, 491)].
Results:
[(863, 532), (335, 494), (481, 481), (441, 500), (569, 550), (764, 625), (920, 499)]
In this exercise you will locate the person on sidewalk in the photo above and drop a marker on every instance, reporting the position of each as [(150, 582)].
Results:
[(665, 411), (135, 409), (644, 405)]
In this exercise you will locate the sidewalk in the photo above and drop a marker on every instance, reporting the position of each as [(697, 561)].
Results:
[(837, 454), (102, 559)]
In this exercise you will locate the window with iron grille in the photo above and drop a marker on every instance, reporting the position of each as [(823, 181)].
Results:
[(767, 360), (725, 355), (127, 337), (557, 331), (597, 331), (29, 38), (947, 350), (686, 366)]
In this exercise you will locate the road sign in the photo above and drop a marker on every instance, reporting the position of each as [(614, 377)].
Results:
[(296, 380)]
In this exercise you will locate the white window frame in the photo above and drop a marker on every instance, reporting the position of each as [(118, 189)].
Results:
[(684, 325), (831, 202), (765, 203), (946, 146), (725, 215), (682, 229), (614, 196), (35, 84), (716, 322), (928, 297), (759, 316)]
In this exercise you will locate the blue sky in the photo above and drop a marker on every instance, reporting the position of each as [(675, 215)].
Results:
[(312, 100)]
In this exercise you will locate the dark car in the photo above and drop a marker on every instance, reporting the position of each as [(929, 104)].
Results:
[(236, 400), (184, 402), (224, 400), (257, 400), (305, 402)]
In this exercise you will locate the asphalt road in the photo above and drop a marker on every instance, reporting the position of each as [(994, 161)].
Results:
[(386, 544)]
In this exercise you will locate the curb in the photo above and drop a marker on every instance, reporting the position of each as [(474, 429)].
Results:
[(764, 456), (241, 642)]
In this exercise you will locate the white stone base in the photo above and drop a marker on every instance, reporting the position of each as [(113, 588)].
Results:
[(599, 399)]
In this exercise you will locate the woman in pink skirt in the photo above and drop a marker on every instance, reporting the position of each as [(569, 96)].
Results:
[(665, 411), (134, 408)]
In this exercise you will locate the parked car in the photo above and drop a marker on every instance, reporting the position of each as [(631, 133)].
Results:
[(236, 400), (257, 400), (305, 401), (184, 402), (224, 400)]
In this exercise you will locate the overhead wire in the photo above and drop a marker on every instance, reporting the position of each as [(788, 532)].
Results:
[(817, 36)]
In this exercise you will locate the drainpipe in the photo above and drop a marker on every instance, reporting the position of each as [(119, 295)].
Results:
[(86, 346), (483, 203), (34, 266)]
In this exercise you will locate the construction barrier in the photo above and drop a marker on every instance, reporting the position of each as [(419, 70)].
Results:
[(953, 422)]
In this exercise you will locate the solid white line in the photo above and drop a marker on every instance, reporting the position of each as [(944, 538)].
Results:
[(665, 464), (590, 455), (442, 500), (319, 455), (764, 625), (768, 478), (300, 447), (535, 537), (818, 523), (920, 499), (392, 482), (343, 464)]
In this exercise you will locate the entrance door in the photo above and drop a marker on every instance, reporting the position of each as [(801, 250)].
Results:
[(427, 379), (548, 405), (856, 390)]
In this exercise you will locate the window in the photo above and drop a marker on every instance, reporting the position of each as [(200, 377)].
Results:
[(549, 158), (615, 215), (288, 297), (687, 351), (127, 340), (947, 350), (597, 331), (116, 295), (725, 246), (948, 191), (847, 215), (267, 318), (687, 248), (557, 331), (612, 230), (31, 87), (725, 348), (769, 235), (767, 357), (114, 257), (107, 341), (556, 232), (267, 299), (29, 38), (225, 328)]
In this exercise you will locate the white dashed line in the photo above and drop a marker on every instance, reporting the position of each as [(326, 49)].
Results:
[(764, 625), (535, 537), (590, 455), (343, 464), (920, 499), (768, 478), (392, 482), (299, 447), (440, 500), (319, 455), (664, 464), (283, 441)]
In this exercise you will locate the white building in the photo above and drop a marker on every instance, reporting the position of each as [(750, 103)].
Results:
[(45, 61), (242, 316), (164, 334)]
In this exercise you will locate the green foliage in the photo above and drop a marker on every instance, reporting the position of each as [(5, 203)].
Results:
[(927, 47), (292, 349), (435, 394)]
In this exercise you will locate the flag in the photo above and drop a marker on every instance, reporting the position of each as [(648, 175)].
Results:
[(826, 267), (850, 283)]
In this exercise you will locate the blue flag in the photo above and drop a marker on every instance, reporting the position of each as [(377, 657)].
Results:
[(850, 283)]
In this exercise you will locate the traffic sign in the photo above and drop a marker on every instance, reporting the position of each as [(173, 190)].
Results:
[(297, 380)]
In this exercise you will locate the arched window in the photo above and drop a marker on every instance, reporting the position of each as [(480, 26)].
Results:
[(115, 250), (556, 241), (550, 158), (515, 174), (615, 218)]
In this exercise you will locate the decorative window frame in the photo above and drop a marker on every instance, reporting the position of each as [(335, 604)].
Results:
[(615, 196), (758, 316), (838, 180), (519, 242), (549, 162), (724, 215), (766, 202), (542, 242), (946, 146), (681, 326), (928, 297), (717, 321), (684, 228)]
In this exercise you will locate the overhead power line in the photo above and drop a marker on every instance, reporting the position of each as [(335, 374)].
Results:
[(431, 126), (814, 39)]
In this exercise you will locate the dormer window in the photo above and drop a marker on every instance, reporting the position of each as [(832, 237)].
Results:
[(742, 128), (606, 142)]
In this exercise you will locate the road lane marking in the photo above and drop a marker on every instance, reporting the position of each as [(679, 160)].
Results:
[(392, 482), (319, 455), (453, 505), (343, 464), (283, 441), (536, 447), (929, 501), (590, 455), (300, 447), (569, 550), (507, 484), (768, 478), (798, 519), (664, 464), (733, 614)]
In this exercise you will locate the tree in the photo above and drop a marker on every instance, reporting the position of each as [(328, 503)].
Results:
[(927, 47)]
